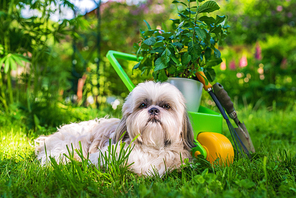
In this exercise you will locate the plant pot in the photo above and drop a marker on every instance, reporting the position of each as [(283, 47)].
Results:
[(191, 90)]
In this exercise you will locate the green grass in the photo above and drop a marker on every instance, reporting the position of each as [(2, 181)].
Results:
[(271, 173)]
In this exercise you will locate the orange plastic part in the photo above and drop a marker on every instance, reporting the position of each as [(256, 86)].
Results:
[(217, 146), (203, 79)]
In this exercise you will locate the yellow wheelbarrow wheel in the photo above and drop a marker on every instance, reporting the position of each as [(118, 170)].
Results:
[(217, 146)]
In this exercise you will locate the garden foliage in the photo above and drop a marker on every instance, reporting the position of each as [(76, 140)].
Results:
[(186, 49)]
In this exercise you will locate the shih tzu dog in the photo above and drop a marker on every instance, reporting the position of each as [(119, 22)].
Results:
[(155, 113)]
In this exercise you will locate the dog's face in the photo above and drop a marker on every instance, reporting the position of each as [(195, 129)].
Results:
[(157, 112)]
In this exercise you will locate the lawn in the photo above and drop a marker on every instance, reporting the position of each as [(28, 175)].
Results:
[(271, 172)]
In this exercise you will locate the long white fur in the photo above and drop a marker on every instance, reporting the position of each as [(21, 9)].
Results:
[(158, 146)]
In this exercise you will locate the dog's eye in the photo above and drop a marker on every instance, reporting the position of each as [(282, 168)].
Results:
[(166, 106), (143, 105)]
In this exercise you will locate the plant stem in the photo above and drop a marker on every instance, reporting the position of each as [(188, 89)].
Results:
[(193, 35), (7, 48), (9, 86), (2, 97), (195, 19)]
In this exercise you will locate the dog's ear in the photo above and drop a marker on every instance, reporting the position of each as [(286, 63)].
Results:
[(187, 133), (120, 131)]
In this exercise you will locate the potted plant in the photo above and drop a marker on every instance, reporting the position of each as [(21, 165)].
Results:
[(189, 48)]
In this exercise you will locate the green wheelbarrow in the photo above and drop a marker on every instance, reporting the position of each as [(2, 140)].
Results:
[(207, 124)]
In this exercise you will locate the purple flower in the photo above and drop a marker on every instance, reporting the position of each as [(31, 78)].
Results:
[(279, 8), (258, 55), (284, 64), (232, 65)]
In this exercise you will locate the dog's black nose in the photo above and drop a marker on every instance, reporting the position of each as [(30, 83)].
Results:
[(153, 111)]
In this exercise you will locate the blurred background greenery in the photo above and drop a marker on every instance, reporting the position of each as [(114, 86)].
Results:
[(53, 72)]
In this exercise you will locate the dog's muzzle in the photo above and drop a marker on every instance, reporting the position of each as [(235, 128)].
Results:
[(154, 115), (153, 111)]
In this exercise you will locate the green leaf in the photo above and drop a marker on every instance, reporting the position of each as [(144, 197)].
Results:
[(2, 60), (149, 28), (158, 44), (201, 33), (183, 16), (207, 20), (179, 2), (199, 179), (19, 58), (178, 45), (210, 74), (137, 65), (172, 70), (136, 46), (162, 76), (209, 6), (185, 58), (36, 120), (157, 50), (245, 183), (159, 65), (219, 19), (144, 47), (193, 53), (7, 63), (217, 30), (175, 21), (213, 62), (1, 49), (12, 63), (3, 14), (167, 35), (166, 56), (189, 34), (217, 53), (160, 38), (164, 27), (150, 41), (208, 53), (148, 33), (176, 60)]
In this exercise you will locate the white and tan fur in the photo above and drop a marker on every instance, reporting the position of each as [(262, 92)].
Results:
[(154, 111)]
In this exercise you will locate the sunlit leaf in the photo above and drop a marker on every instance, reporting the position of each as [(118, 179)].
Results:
[(179, 2), (208, 6), (207, 20), (219, 19), (2, 60), (6, 65), (12, 63), (19, 58)]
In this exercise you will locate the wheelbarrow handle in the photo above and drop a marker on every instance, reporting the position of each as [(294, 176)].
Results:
[(113, 56)]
